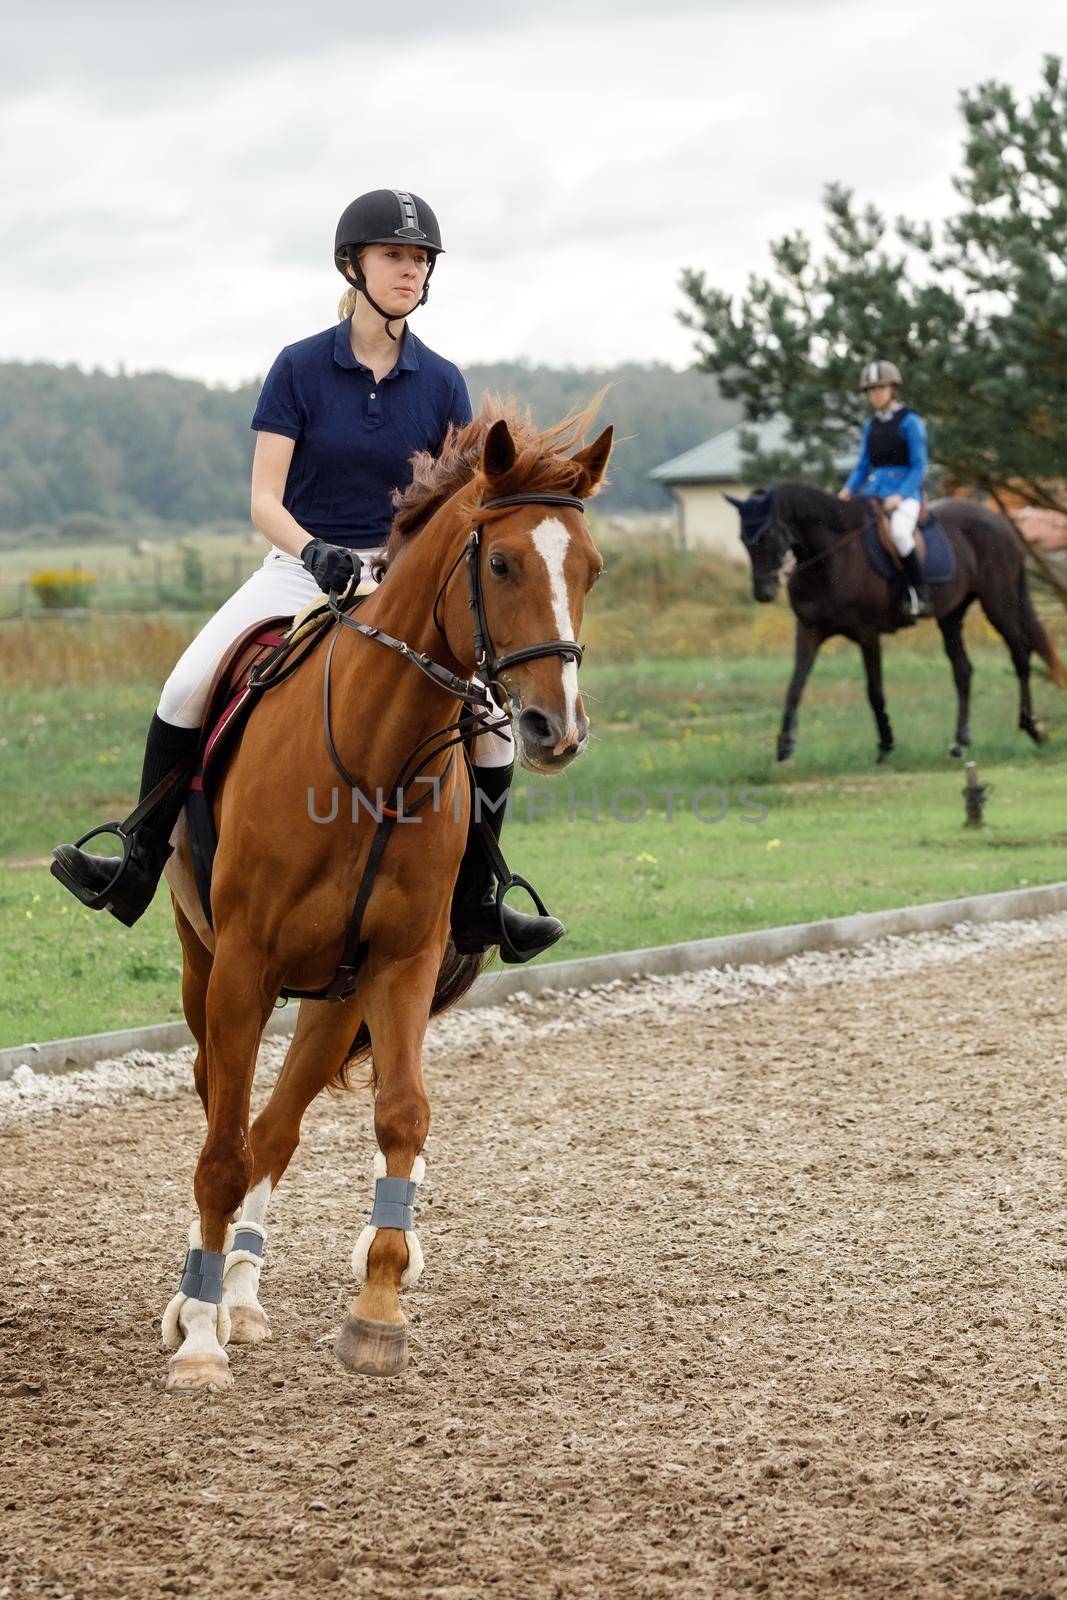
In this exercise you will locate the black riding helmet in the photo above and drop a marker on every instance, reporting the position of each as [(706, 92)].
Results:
[(385, 216)]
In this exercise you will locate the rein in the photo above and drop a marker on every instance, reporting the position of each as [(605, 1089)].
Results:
[(847, 538), (474, 722)]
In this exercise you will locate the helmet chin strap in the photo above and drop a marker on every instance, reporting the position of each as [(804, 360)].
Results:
[(360, 281)]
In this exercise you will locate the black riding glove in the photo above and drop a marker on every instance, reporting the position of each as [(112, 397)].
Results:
[(331, 567)]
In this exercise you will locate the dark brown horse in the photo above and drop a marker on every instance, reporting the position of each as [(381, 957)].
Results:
[(488, 569), (833, 589)]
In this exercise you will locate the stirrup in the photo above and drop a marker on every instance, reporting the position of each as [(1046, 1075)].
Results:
[(102, 898), (508, 951)]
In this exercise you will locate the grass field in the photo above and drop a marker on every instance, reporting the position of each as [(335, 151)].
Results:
[(830, 835)]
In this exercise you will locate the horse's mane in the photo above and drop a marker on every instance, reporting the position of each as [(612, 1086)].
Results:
[(542, 464), (800, 502)]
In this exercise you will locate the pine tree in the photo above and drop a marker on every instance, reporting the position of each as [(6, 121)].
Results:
[(974, 312)]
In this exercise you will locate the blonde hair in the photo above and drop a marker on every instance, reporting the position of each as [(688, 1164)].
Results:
[(347, 304)]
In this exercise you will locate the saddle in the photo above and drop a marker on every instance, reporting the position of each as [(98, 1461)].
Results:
[(258, 658), (932, 544)]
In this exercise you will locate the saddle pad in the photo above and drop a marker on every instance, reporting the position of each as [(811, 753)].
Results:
[(939, 560)]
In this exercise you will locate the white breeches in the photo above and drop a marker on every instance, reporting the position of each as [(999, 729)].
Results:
[(281, 587), (902, 522)]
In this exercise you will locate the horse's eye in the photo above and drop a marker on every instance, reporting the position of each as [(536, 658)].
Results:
[(498, 566)]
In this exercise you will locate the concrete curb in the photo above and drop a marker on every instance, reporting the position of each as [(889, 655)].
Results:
[(763, 945)]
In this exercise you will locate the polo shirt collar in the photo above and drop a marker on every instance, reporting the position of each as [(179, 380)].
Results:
[(342, 349), (342, 345), (409, 359)]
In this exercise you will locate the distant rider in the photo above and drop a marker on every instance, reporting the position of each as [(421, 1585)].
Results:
[(891, 468)]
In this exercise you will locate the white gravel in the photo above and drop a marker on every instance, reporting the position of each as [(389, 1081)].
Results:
[(159, 1075)]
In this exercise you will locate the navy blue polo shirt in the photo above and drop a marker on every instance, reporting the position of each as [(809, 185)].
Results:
[(355, 437)]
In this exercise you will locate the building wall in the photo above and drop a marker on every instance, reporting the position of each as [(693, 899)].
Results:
[(706, 521)]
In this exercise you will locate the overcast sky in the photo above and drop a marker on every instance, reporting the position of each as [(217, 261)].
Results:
[(172, 174)]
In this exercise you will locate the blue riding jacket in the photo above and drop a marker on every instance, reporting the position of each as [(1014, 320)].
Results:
[(903, 475)]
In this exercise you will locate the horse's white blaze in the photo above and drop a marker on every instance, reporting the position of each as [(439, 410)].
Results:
[(551, 541)]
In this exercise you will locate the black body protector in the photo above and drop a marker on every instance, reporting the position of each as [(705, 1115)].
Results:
[(385, 216), (886, 445)]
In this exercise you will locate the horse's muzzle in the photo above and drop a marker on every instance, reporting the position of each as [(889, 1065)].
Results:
[(765, 589), (545, 741)]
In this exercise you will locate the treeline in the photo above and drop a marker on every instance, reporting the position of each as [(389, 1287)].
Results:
[(153, 446)]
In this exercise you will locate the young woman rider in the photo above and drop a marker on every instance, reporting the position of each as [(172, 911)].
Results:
[(891, 468), (339, 418)]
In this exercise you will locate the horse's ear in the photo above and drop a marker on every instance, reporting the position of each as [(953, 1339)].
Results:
[(592, 461), (734, 501), (498, 451)]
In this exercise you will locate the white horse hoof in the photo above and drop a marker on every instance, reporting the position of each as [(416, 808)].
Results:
[(249, 1325)]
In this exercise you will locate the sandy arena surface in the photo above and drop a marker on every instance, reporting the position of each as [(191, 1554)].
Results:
[(738, 1283)]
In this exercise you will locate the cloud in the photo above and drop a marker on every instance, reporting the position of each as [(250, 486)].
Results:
[(171, 192), (135, 46)]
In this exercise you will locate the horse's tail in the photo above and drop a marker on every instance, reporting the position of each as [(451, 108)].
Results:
[(456, 974), (1037, 637)]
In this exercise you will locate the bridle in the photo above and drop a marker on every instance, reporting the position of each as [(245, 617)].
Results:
[(488, 663), (475, 692)]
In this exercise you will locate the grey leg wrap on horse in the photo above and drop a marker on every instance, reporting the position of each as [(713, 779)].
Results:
[(202, 1276), (248, 1239), (394, 1207), (394, 1204)]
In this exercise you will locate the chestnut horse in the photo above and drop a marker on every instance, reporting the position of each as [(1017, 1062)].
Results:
[(284, 884)]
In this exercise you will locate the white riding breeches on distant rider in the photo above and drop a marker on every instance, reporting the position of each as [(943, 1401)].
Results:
[(902, 521), (281, 587)]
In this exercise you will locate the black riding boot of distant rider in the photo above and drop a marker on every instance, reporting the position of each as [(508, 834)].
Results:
[(475, 925), (916, 600), (125, 887)]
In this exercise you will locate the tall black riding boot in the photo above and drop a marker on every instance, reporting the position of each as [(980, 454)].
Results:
[(125, 886), (916, 601), (475, 926)]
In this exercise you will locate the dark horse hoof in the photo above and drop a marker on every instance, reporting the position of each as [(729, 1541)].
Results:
[(884, 752), (374, 1349), (1031, 726)]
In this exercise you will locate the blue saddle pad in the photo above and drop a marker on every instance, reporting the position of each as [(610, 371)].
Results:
[(939, 562)]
